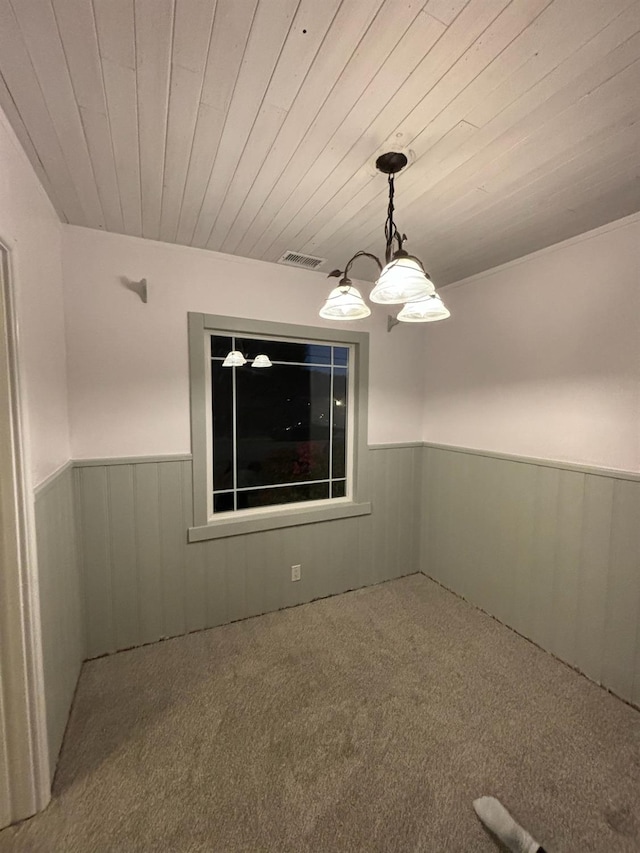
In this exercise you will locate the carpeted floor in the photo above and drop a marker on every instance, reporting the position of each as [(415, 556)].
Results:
[(365, 722)]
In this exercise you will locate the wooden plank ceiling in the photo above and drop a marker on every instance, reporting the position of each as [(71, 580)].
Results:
[(252, 126)]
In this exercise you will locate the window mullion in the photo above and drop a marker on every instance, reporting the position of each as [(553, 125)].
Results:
[(235, 431), (331, 428)]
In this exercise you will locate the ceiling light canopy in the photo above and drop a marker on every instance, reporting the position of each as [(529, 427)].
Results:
[(402, 280)]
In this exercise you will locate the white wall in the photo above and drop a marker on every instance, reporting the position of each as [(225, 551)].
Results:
[(128, 368), (30, 229), (541, 357)]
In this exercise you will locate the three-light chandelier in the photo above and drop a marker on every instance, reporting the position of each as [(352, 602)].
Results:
[(402, 280)]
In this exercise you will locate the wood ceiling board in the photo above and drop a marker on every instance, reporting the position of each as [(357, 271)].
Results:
[(116, 43), (409, 52), (222, 124), (154, 36), (605, 114), (586, 114), (97, 131), (266, 40), (116, 31), (598, 176), (208, 131), (549, 200), (77, 29), (76, 25), (15, 122), (379, 41), (582, 171), (364, 229), (375, 196), (621, 182), (193, 25), (474, 67), (40, 34), (563, 30), (182, 118), (122, 103), (517, 243), (305, 38), (445, 10), (538, 214), (433, 185), (455, 59), (265, 129), (348, 28), (22, 83), (231, 27)]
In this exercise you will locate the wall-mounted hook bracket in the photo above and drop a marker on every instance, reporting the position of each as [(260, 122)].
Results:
[(139, 287), (391, 322)]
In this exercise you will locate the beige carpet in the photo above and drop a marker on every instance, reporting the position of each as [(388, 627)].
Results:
[(365, 722)]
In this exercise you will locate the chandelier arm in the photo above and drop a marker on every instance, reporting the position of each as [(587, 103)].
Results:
[(360, 255)]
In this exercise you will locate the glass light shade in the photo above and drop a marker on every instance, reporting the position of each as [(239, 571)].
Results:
[(261, 361), (402, 280), (234, 359), (424, 310), (345, 303)]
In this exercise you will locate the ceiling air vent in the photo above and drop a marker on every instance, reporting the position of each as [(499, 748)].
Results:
[(297, 259)]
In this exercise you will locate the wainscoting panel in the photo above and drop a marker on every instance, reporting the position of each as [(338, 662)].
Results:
[(143, 581), (551, 551), (61, 602)]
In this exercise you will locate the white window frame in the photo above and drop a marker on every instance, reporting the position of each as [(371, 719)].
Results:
[(211, 515), (209, 525)]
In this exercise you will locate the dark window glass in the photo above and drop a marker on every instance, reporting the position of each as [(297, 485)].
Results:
[(285, 351), (290, 423), (341, 356), (339, 422), (220, 346), (223, 502), (276, 350), (283, 424), (283, 495), (222, 407), (338, 488)]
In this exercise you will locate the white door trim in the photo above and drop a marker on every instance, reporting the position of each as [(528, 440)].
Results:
[(24, 763)]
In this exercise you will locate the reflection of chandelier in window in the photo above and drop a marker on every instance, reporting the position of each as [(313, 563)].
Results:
[(236, 359), (402, 280)]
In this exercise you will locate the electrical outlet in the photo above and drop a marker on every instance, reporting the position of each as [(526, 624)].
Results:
[(295, 573)]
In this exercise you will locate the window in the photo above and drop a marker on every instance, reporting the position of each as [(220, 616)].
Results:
[(279, 434), (279, 445)]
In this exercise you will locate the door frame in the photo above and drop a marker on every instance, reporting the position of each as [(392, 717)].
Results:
[(24, 762)]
